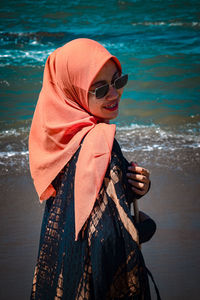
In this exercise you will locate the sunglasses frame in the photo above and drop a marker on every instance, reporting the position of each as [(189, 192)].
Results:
[(107, 86)]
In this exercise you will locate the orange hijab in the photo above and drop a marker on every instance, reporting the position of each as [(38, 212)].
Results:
[(62, 119)]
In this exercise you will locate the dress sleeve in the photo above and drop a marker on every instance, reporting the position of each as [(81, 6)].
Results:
[(124, 164), (116, 262), (146, 228)]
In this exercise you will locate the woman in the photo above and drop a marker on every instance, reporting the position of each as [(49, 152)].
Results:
[(89, 245)]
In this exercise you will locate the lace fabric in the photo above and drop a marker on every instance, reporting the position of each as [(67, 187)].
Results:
[(105, 262)]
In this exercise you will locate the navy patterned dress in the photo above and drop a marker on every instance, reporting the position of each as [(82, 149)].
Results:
[(105, 262)]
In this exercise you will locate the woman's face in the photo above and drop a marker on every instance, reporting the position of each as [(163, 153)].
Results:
[(106, 108)]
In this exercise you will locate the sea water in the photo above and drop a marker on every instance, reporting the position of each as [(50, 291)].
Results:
[(157, 42)]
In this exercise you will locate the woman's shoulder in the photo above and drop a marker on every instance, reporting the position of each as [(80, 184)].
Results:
[(117, 153), (116, 146), (119, 163)]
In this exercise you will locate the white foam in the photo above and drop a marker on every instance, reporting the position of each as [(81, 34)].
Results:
[(34, 42), (113, 45), (14, 132), (145, 142), (135, 126), (4, 82), (187, 24), (153, 137), (29, 57), (13, 154), (11, 132)]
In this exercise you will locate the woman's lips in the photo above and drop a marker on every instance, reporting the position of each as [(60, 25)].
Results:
[(112, 107)]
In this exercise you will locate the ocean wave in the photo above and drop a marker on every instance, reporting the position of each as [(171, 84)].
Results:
[(38, 55), (11, 132), (6, 155), (24, 57), (14, 147), (179, 137), (146, 144), (50, 37), (169, 24), (32, 48), (34, 38)]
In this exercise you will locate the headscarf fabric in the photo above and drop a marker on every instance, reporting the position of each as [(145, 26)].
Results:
[(62, 119)]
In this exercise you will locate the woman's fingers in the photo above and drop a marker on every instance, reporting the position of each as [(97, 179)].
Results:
[(138, 177), (138, 192), (138, 185), (139, 170)]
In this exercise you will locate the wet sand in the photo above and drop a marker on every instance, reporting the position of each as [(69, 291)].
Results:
[(172, 255)]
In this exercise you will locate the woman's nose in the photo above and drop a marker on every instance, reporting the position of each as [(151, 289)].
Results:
[(112, 94)]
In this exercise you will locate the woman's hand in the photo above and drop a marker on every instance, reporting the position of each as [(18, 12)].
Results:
[(138, 178)]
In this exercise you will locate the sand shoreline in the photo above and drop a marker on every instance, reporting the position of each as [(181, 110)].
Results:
[(171, 255)]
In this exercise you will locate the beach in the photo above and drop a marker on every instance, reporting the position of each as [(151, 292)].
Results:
[(172, 255), (158, 44)]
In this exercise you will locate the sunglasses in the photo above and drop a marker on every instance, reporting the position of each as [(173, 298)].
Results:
[(103, 90)]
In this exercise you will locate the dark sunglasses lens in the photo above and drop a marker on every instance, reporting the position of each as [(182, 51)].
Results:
[(102, 91), (121, 81)]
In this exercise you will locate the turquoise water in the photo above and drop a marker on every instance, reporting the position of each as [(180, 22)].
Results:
[(158, 43)]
